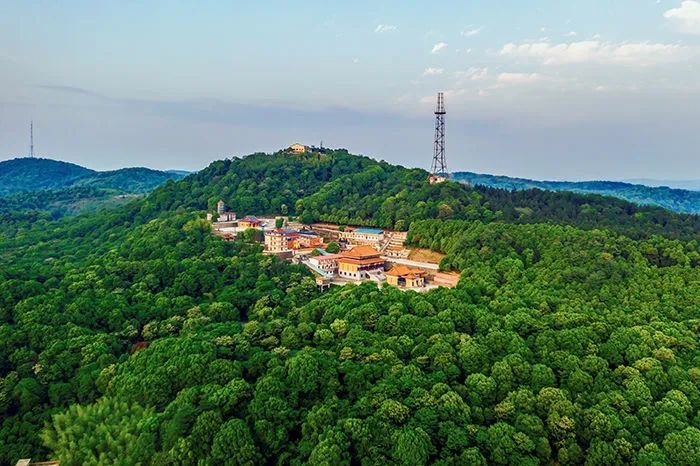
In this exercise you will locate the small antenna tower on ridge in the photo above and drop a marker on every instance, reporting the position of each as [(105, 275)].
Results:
[(31, 138), (439, 165)]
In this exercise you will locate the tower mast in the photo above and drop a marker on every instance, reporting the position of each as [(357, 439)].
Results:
[(31, 138), (439, 165)]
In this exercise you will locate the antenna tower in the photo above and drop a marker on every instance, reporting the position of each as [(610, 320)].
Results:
[(31, 138), (439, 165)]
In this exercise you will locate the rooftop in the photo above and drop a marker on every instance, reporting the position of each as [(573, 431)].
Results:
[(359, 252), (404, 271), (372, 231), (357, 261), (328, 257), (280, 231)]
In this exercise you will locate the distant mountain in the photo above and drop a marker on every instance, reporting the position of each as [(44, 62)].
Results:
[(33, 186), (179, 172), (131, 180), (35, 174), (677, 200), (692, 185)]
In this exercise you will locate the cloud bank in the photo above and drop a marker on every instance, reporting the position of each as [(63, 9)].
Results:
[(686, 17), (595, 51)]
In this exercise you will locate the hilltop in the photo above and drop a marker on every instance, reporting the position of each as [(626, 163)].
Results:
[(677, 200), (348, 189)]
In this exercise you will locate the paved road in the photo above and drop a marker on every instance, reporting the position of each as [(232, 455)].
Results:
[(410, 263)]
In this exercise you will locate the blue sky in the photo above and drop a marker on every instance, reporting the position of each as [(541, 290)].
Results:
[(543, 89)]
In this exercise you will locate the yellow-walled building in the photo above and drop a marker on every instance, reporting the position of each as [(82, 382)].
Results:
[(297, 148), (405, 277), (359, 261)]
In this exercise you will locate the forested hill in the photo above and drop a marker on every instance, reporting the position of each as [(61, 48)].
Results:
[(348, 189), (677, 200), (32, 188), (37, 174), (135, 336)]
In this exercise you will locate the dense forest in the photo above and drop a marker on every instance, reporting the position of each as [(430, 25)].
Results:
[(678, 200), (134, 336), (54, 204)]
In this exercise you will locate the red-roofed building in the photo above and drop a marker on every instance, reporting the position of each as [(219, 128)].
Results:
[(249, 221)]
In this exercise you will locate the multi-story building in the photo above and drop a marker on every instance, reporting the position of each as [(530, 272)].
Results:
[(280, 240), (405, 277), (327, 263), (368, 236), (359, 261)]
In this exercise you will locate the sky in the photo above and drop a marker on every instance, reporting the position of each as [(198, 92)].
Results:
[(539, 89)]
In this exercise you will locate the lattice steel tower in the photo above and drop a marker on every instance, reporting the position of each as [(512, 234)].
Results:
[(439, 165), (31, 138)]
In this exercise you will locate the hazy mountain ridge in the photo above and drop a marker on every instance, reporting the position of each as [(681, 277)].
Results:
[(691, 185), (677, 200), (55, 189), (38, 174)]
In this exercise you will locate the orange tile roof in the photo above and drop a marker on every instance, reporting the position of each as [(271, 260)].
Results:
[(361, 252), (329, 257), (351, 260), (404, 271)]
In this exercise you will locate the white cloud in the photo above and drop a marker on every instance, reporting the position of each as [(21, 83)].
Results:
[(472, 31), (686, 17), (570, 34), (433, 71), (594, 51), (382, 28), (472, 74), (517, 79), (438, 47)]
